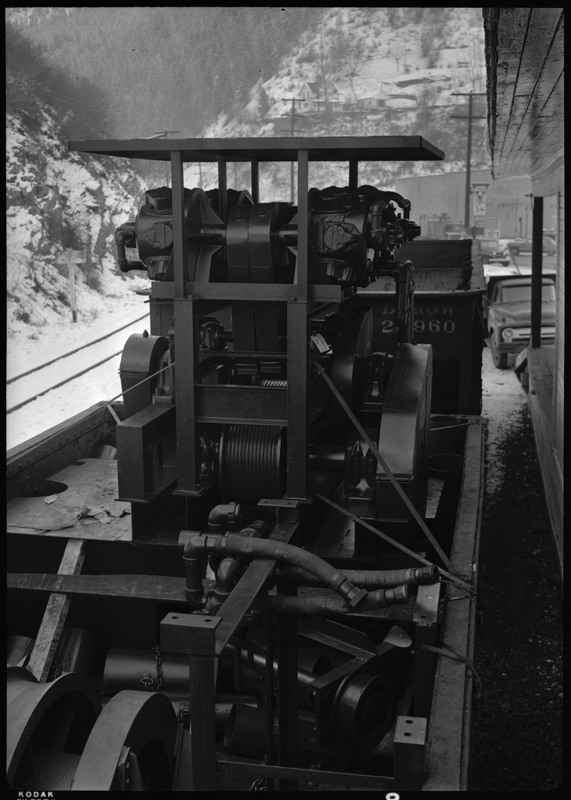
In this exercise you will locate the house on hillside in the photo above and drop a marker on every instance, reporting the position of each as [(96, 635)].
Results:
[(373, 100), (313, 96), (370, 94)]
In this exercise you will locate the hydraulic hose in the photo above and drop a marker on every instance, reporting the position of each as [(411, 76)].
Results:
[(372, 579), (233, 544), (229, 568), (282, 604)]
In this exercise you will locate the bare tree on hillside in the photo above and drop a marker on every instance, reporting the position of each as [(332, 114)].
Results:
[(476, 66), (324, 64), (349, 52)]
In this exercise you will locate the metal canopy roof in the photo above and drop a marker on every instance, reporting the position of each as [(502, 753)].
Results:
[(324, 148)]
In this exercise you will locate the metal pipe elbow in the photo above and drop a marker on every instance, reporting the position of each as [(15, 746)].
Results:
[(222, 515)]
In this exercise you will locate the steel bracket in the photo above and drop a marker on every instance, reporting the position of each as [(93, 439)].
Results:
[(409, 749)]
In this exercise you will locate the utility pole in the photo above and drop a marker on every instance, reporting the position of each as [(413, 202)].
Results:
[(292, 132), (471, 116)]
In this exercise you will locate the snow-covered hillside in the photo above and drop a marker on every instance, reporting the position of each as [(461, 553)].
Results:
[(58, 200), (375, 71), (383, 71)]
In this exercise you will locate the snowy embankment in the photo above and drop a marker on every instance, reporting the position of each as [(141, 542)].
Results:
[(57, 201), (29, 348)]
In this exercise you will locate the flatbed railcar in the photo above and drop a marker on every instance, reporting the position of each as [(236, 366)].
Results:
[(259, 569)]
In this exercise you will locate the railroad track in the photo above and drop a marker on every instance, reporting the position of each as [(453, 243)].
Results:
[(42, 376), (67, 383)]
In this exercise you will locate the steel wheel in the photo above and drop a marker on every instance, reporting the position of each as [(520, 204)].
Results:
[(47, 727), (363, 708), (131, 746)]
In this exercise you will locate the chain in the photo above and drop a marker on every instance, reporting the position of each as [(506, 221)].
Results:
[(259, 785), (159, 660), (146, 678), (147, 682)]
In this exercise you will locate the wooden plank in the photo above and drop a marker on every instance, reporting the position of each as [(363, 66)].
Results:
[(55, 614), (159, 588)]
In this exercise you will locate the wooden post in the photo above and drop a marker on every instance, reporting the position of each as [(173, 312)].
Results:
[(71, 258), (72, 301)]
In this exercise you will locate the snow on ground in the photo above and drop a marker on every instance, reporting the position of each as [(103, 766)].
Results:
[(502, 401), (30, 346)]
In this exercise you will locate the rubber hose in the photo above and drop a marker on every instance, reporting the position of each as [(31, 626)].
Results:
[(282, 604), (232, 544), (373, 579)]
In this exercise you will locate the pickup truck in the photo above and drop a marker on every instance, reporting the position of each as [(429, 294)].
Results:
[(507, 313)]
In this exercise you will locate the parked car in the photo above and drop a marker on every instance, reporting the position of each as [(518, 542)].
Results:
[(516, 246), (491, 251), (508, 315)]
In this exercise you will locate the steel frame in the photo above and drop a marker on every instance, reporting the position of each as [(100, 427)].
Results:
[(189, 289), (200, 637)]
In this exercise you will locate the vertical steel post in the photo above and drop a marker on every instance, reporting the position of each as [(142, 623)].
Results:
[(298, 345), (180, 267), (195, 635), (287, 697), (255, 180), (184, 336), (536, 271), (303, 232), (222, 189), (353, 174), (269, 694), (202, 722)]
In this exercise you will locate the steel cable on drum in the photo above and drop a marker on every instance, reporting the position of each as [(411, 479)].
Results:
[(251, 461)]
